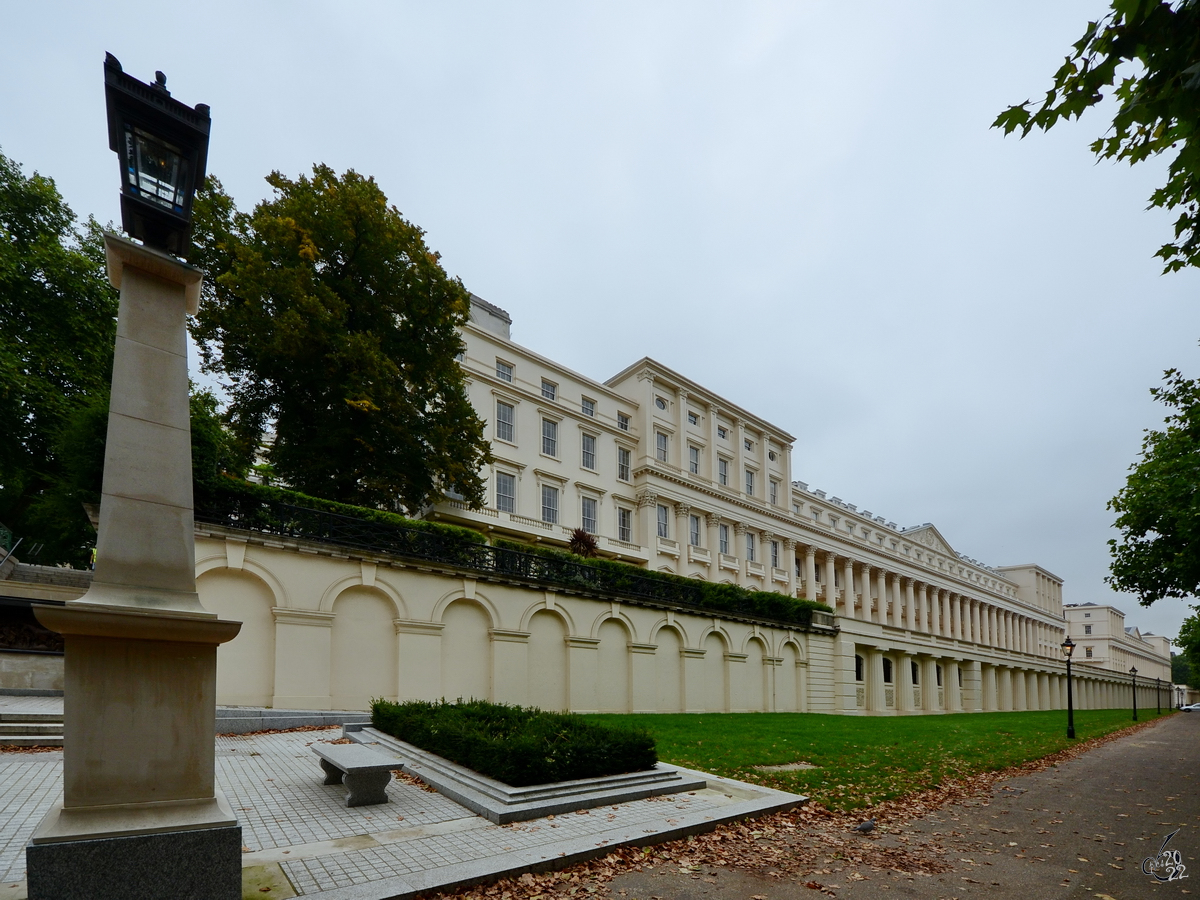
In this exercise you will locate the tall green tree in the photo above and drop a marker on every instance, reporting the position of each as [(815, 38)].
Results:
[(1158, 509), (1147, 53), (1188, 642), (336, 329), (57, 327)]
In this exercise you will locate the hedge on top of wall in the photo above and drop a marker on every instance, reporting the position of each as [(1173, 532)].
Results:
[(228, 486), (717, 597), (517, 745)]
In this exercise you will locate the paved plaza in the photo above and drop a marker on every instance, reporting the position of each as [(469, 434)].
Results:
[(301, 840)]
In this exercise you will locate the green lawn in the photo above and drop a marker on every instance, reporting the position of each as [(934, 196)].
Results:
[(864, 760)]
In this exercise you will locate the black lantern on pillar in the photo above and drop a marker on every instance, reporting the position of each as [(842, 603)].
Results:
[(1133, 677), (162, 146), (1068, 647)]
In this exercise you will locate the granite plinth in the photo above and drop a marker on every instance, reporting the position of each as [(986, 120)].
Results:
[(202, 864)]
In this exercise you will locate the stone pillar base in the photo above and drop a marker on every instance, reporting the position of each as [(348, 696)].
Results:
[(200, 864)]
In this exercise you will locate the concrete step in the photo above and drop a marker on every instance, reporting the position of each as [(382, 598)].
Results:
[(18, 729), (30, 717), (41, 740)]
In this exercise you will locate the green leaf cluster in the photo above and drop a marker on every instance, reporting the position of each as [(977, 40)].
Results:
[(337, 330), (727, 598), (517, 745), (1157, 45), (1158, 509), (57, 328)]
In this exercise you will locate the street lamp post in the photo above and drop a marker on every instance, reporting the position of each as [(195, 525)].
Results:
[(1133, 676), (1068, 647), (1158, 695), (140, 813)]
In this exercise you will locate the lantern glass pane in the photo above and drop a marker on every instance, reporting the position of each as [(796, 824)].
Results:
[(157, 171)]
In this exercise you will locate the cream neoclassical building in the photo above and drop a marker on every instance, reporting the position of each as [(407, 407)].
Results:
[(670, 476)]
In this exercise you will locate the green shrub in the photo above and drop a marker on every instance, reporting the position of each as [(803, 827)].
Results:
[(517, 745), (228, 485), (717, 597)]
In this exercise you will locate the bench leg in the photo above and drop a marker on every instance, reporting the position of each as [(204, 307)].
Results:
[(333, 775), (366, 788)]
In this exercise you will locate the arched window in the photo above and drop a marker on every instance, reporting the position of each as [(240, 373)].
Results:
[(887, 671), (939, 676), (916, 673)]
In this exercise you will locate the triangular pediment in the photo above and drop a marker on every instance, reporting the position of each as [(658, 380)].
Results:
[(930, 537)]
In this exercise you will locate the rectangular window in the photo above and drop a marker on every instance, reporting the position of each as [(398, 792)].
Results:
[(1087, 629), (1087, 651), (664, 530), (588, 514), (506, 492), (749, 483), (549, 390), (661, 442), (625, 525), (588, 406), (589, 451), (623, 421), (623, 463), (750, 546), (694, 460), (695, 531), (723, 534), (722, 432), (774, 492), (775, 554), (693, 419), (748, 444), (723, 471), (549, 504), (549, 437), (505, 419), (503, 371)]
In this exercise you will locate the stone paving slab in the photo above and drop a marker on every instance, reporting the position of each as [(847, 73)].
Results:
[(298, 828)]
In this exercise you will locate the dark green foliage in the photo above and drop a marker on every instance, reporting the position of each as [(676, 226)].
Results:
[(1159, 109), (1158, 509), (726, 598), (516, 745), (229, 486), (57, 327), (1182, 671), (337, 330), (1188, 642)]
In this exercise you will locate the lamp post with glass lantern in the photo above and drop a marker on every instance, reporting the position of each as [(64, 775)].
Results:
[(1068, 647), (140, 814), (1158, 695), (1133, 678)]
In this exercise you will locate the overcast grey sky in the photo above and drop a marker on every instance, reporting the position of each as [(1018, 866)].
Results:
[(800, 205)]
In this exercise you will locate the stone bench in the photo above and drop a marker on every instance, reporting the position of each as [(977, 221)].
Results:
[(364, 772)]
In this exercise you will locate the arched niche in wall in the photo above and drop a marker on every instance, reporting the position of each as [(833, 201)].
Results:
[(245, 665), (715, 696), (549, 677), (364, 662), (466, 651), (668, 660), (613, 688)]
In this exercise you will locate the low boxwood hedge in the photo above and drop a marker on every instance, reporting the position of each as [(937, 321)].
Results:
[(517, 745)]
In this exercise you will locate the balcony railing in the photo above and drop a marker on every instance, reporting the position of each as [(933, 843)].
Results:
[(440, 547)]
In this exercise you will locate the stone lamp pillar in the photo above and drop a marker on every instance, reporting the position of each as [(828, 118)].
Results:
[(140, 815)]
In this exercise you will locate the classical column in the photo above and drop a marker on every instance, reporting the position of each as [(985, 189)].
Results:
[(739, 549), (713, 456), (678, 454), (868, 607), (713, 522), (948, 626), (881, 592), (873, 676), (739, 472), (924, 612), (789, 559), (848, 588), (683, 533), (810, 572), (830, 581), (647, 502), (934, 605), (910, 605)]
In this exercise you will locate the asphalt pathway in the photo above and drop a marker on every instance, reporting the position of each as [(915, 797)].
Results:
[(1082, 828)]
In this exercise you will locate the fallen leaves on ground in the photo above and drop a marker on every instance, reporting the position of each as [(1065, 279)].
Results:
[(801, 845)]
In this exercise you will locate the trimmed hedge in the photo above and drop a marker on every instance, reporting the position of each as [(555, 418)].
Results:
[(227, 485), (517, 745), (717, 597)]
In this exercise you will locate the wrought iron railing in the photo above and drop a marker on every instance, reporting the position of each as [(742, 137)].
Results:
[(435, 546)]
